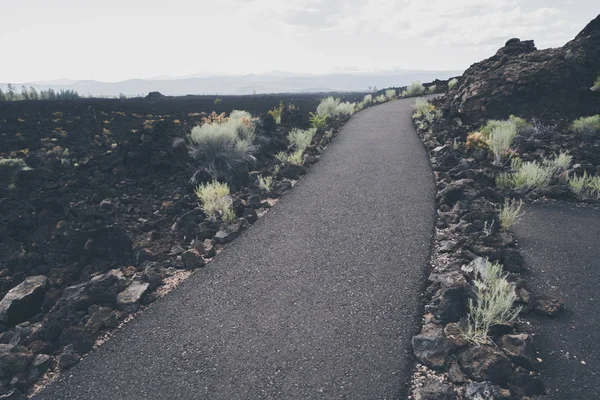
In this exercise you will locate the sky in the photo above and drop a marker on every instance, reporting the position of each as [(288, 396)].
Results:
[(113, 40)]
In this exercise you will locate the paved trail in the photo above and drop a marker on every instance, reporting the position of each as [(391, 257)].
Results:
[(561, 243), (318, 300)]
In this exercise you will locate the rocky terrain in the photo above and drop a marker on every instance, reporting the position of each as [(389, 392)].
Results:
[(548, 89), (524, 81)]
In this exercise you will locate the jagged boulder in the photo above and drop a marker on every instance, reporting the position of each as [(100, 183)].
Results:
[(24, 300), (524, 81)]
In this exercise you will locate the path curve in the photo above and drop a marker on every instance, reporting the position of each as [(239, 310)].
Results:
[(318, 300)]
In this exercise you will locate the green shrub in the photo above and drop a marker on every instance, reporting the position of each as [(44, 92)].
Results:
[(390, 93), (301, 138), (331, 107), (529, 175), (318, 122), (368, 99), (276, 112), (587, 126), (500, 140), (415, 89), (265, 183), (380, 99), (422, 107), (495, 298), (426, 110), (281, 156), (451, 83), (327, 107), (221, 147), (560, 162), (586, 186), (216, 200), (431, 89), (345, 108), (296, 158), (510, 213)]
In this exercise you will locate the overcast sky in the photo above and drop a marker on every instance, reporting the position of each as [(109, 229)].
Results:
[(113, 40)]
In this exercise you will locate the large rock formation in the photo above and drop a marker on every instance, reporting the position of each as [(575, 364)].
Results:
[(524, 81)]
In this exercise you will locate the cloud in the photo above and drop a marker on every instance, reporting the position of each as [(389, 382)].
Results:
[(434, 22)]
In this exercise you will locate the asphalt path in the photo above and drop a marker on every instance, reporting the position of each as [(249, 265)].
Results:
[(317, 300), (561, 244)]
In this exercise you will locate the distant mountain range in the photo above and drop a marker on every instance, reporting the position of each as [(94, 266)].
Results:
[(270, 82)]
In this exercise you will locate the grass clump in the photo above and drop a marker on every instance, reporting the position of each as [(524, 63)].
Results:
[(426, 110), (586, 186), (510, 213), (390, 94), (560, 162), (500, 140), (345, 108), (318, 122), (265, 183), (331, 107), (431, 89), (296, 158), (368, 99), (451, 83), (587, 126), (281, 156), (327, 107), (216, 200), (529, 175), (495, 297), (380, 99), (414, 89), (222, 145), (301, 138)]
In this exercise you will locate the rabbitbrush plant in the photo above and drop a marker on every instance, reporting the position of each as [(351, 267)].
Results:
[(500, 140), (414, 89), (587, 127), (222, 145), (265, 183), (510, 213), (216, 200), (528, 175), (495, 297), (586, 186), (301, 138), (452, 83)]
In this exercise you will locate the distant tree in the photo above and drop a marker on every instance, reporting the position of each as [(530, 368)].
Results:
[(50, 94), (10, 92), (370, 88), (2, 96), (67, 95), (122, 96), (33, 94), (374, 88), (24, 93)]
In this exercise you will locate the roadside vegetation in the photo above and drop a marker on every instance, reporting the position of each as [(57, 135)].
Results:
[(493, 303)]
